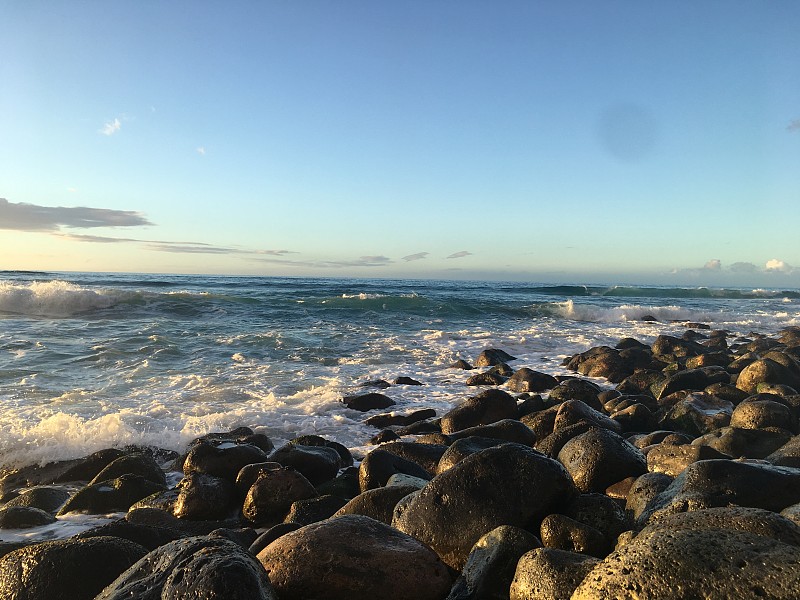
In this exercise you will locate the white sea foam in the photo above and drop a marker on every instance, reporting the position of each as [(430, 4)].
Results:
[(631, 312), (51, 298)]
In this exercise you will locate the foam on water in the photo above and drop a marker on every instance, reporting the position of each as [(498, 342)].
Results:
[(51, 298)]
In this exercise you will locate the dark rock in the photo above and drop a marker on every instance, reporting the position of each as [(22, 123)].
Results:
[(502, 369), (313, 510), (553, 443), (139, 463), (272, 495), (488, 378), (767, 370), (380, 384), (660, 436), (366, 402), (541, 423), (549, 574), (600, 512), (272, 534), (345, 485), (87, 468), (712, 483), (641, 382), (744, 443), (576, 389), (672, 460), (493, 356), (353, 558), (317, 463), (726, 391), (223, 461), (571, 412), (115, 495), (490, 566), (425, 455), (600, 457), (636, 417), (148, 536), (759, 414), (24, 517), (644, 490), (204, 497), (509, 430), (692, 379), (387, 435), (47, 498), (402, 380), (506, 485), (706, 563), (379, 465), (461, 449), (667, 344), (155, 517), (378, 503), (248, 474), (697, 414), (530, 404), (345, 458), (243, 536), (485, 408), (563, 533), (629, 342), (73, 569), (421, 428), (196, 567), (528, 380), (787, 455), (603, 362), (388, 420), (461, 364)]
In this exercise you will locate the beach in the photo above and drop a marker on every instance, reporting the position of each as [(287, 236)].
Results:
[(586, 438)]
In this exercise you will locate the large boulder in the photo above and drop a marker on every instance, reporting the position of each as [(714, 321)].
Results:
[(598, 458), (271, 496), (224, 460), (378, 503), (204, 497), (487, 407), (353, 557), (528, 380), (549, 574), (74, 569), (506, 485), (317, 463), (378, 466), (114, 495), (137, 463), (767, 370), (196, 567), (697, 414), (688, 564)]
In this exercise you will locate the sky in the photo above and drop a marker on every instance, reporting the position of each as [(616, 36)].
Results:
[(620, 142)]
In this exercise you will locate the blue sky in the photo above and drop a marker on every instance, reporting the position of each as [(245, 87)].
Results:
[(582, 141)]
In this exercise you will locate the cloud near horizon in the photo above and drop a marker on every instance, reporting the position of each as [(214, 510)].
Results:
[(460, 254), (715, 266), (417, 256), (778, 266), (32, 217), (362, 261)]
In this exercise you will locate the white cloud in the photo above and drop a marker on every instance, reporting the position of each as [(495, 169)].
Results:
[(713, 265), (201, 150), (778, 266), (460, 254), (111, 127)]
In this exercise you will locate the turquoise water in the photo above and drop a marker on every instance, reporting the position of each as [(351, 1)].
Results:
[(95, 360)]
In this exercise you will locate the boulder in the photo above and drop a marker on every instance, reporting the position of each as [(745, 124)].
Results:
[(697, 414), (549, 574), (766, 370), (528, 380), (461, 449), (600, 457), (24, 517), (487, 407), (691, 379), (563, 533), (195, 567), (573, 411), (271, 496), (224, 460), (317, 463), (487, 378), (367, 402), (576, 389), (204, 497), (643, 492), (378, 503), (509, 430), (353, 557), (47, 498), (600, 512), (147, 536), (389, 420), (744, 443), (670, 345), (672, 460), (345, 458), (787, 455), (137, 463), (506, 485), (311, 510), (493, 356), (759, 414), (379, 465), (425, 455), (74, 569), (116, 495)]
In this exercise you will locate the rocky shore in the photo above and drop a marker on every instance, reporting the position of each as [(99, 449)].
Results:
[(669, 470)]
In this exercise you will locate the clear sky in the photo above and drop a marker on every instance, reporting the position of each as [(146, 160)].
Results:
[(619, 141)]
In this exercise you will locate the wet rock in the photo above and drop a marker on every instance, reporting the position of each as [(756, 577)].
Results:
[(115, 495), (636, 417), (528, 380), (86, 469), (272, 495), (667, 344), (312, 510), (571, 412), (641, 382), (488, 378), (74, 569), (380, 384), (507, 485), (47, 498), (491, 564), (659, 436), (389, 420), (502, 369), (759, 414), (710, 359), (461, 364), (223, 461), (792, 513), (203, 497), (541, 423), (24, 517), (683, 564), (509, 430), (726, 391), (766, 370), (403, 380), (672, 460), (345, 485), (692, 379), (387, 435), (493, 356), (162, 519), (644, 490), (378, 503), (563, 533), (197, 567), (345, 458), (248, 474), (139, 463), (317, 463), (461, 449), (600, 457), (744, 443), (367, 402), (602, 361), (697, 414), (379, 465), (712, 483), (148, 536), (549, 574), (576, 389), (272, 534), (425, 455), (485, 408), (353, 558)]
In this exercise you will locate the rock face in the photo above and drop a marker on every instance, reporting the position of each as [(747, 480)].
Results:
[(598, 458), (688, 564), (549, 574), (197, 567), (74, 569), (766, 370), (353, 558), (506, 485)]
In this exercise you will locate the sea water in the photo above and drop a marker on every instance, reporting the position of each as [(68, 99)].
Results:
[(91, 361)]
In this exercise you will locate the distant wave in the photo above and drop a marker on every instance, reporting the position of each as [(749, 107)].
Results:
[(625, 312), (51, 299), (622, 291)]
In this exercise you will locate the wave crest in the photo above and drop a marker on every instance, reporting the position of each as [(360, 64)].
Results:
[(51, 299)]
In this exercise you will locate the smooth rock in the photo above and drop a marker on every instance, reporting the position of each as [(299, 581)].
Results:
[(367, 402), (563, 533), (528, 380), (379, 465), (600, 457), (116, 495), (204, 497), (378, 504), (485, 408), (137, 463), (317, 463), (271, 496)]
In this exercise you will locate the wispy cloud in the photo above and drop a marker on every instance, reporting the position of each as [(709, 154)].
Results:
[(793, 126), (72, 190), (33, 217), (362, 261), (201, 150), (111, 127), (417, 256), (460, 254), (713, 265), (94, 239)]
